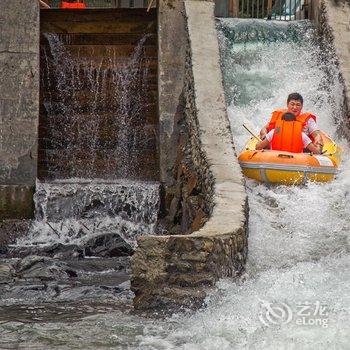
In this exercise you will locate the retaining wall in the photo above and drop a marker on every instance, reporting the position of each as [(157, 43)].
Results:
[(180, 269), (332, 19), (19, 106)]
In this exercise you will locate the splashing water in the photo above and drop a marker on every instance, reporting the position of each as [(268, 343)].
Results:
[(299, 236), (75, 210)]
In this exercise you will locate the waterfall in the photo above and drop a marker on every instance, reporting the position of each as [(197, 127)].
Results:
[(92, 136)]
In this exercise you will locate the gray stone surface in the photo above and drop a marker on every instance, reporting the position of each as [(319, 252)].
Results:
[(19, 95), (222, 8), (19, 91), (333, 21), (339, 19), (171, 74)]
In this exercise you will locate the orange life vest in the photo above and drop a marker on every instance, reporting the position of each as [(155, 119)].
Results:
[(73, 5), (287, 135), (277, 115)]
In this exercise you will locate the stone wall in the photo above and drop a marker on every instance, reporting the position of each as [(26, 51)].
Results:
[(332, 19), (19, 89), (184, 208), (180, 269)]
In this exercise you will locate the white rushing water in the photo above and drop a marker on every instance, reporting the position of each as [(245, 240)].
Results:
[(296, 291), (76, 210)]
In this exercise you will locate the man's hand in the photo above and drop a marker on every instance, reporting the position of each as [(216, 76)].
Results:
[(263, 132), (318, 142)]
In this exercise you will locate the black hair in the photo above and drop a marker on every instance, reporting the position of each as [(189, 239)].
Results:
[(295, 96), (288, 117)]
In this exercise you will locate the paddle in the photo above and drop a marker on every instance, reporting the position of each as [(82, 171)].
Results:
[(251, 132)]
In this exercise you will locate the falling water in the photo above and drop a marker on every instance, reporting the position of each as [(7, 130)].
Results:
[(94, 112), (71, 212), (93, 135)]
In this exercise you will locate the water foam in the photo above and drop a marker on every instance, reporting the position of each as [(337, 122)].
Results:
[(75, 210)]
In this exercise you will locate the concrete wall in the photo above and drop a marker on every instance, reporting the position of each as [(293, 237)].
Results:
[(333, 22), (221, 8), (19, 104), (172, 45), (180, 269)]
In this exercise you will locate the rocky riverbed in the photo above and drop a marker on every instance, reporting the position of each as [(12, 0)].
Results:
[(95, 272)]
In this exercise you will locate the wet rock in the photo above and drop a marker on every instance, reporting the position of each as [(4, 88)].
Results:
[(108, 245), (43, 268), (3, 250), (6, 272), (10, 230), (56, 250)]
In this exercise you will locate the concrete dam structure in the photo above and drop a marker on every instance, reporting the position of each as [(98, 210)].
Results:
[(120, 189), (98, 95)]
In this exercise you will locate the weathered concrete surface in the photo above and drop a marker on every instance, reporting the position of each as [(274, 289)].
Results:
[(184, 208), (180, 269), (333, 21), (16, 201), (339, 20), (171, 74), (19, 89), (221, 8)]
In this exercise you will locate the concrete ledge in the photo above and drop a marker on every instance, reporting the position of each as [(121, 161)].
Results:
[(16, 202), (180, 269), (333, 22)]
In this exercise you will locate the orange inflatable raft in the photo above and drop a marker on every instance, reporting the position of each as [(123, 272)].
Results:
[(279, 167)]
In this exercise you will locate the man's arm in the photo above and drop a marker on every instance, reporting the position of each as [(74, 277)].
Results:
[(314, 131), (262, 144), (317, 138), (314, 148), (263, 131)]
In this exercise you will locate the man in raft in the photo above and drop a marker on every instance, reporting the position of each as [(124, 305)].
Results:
[(290, 130)]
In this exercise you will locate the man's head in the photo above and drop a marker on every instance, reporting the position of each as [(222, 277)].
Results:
[(295, 103)]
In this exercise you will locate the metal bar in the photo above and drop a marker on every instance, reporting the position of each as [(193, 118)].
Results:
[(257, 9), (235, 8), (290, 9), (308, 5), (150, 5), (263, 8), (280, 10), (269, 9)]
